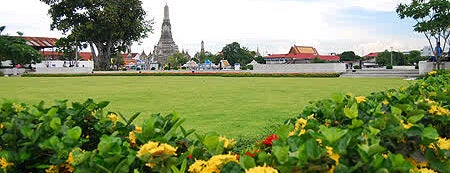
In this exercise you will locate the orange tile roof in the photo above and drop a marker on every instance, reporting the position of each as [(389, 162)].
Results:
[(41, 42)]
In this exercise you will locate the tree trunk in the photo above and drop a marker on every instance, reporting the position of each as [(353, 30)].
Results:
[(102, 61)]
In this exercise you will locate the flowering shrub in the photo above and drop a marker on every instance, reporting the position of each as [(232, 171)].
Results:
[(398, 130)]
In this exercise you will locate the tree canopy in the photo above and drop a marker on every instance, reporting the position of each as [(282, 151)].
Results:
[(348, 56), (17, 50), (107, 27), (234, 53), (432, 19), (384, 58)]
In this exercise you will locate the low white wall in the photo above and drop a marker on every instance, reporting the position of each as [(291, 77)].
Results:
[(63, 70), (61, 64), (403, 67), (300, 68), (425, 67), (13, 71)]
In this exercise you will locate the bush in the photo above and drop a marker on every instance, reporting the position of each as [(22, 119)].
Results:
[(389, 67), (356, 67), (153, 68), (1, 74), (166, 68), (243, 67), (124, 69), (183, 68), (250, 67), (398, 130), (175, 68)]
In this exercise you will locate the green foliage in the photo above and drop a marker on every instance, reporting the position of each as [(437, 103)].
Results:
[(349, 56), (16, 50), (432, 19), (389, 67), (250, 67), (235, 54), (356, 67), (318, 60), (414, 57), (260, 59), (106, 26), (177, 59), (384, 58), (389, 131), (153, 68)]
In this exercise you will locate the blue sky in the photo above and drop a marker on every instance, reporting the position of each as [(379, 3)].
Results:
[(362, 26)]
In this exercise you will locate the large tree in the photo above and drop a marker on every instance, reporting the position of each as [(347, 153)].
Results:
[(234, 53), (348, 56), (17, 50), (107, 27), (432, 19), (384, 58), (414, 57)]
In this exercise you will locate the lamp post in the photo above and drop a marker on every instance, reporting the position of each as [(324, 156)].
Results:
[(391, 55)]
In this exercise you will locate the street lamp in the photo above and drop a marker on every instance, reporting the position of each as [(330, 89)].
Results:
[(391, 55)]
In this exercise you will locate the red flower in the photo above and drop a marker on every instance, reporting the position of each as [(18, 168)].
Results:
[(268, 140), (189, 156), (248, 153)]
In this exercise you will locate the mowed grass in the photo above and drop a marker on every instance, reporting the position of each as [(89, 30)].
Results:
[(229, 106)]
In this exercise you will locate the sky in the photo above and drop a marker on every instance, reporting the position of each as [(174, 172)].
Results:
[(272, 26)]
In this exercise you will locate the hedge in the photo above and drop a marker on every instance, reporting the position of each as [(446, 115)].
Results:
[(398, 130), (320, 75)]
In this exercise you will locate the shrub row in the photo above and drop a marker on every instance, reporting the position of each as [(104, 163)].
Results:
[(324, 75), (398, 130)]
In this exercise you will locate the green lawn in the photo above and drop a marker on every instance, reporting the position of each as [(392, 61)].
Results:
[(230, 106)]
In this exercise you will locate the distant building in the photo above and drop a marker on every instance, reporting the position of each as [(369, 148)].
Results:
[(166, 46), (299, 55), (370, 61)]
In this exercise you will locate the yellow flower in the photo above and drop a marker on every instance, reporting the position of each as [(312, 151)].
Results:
[(300, 124), (70, 159), (113, 117), (212, 165), (407, 125), (385, 156), (360, 99), (52, 169), (1, 126), (417, 164), (18, 108), (155, 149), (262, 169), (403, 88), (438, 110), (4, 163), (443, 143), (94, 112), (132, 138), (385, 102), (198, 166), (432, 73), (426, 170), (227, 143), (137, 129), (333, 155), (319, 141), (311, 116)]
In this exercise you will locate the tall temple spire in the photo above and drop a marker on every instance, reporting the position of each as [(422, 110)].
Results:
[(166, 12), (166, 46), (202, 49)]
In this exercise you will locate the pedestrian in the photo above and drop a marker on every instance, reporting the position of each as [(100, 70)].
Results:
[(437, 52)]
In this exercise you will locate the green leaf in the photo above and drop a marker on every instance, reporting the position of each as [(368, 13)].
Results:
[(247, 162), (212, 143), (281, 153), (415, 119), (231, 167), (52, 112), (55, 123), (356, 123), (396, 111), (430, 133), (283, 133), (313, 149), (74, 133), (351, 112), (333, 133)]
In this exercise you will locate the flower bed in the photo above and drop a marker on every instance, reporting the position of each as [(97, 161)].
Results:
[(398, 130)]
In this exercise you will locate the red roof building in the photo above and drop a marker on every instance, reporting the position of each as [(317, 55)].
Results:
[(41, 42), (297, 55)]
